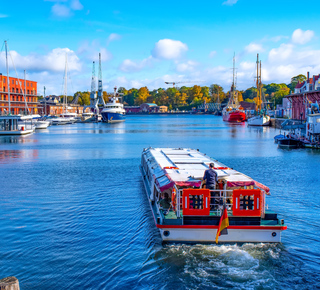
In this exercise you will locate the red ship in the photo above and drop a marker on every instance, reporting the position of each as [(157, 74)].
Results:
[(233, 112), (234, 115)]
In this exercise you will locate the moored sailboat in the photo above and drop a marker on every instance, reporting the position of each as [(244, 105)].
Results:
[(262, 119), (233, 112)]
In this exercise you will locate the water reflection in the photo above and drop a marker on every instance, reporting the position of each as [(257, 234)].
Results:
[(7, 156)]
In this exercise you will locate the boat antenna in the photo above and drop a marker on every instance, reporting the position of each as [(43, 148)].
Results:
[(8, 82)]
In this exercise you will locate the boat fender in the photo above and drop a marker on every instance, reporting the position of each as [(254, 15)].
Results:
[(173, 199)]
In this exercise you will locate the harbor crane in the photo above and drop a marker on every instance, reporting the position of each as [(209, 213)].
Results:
[(182, 82), (95, 100)]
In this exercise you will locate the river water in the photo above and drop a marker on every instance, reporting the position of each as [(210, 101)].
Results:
[(74, 214)]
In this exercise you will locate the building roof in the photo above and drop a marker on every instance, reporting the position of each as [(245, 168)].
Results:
[(299, 85), (150, 104)]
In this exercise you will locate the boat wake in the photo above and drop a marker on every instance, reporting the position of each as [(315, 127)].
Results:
[(239, 266)]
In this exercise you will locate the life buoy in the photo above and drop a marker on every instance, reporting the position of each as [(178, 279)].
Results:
[(173, 199)]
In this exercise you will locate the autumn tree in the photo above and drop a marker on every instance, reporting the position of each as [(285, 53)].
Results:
[(143, 94)]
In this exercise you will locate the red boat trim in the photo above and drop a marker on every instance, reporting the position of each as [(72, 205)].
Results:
[(281, 228)]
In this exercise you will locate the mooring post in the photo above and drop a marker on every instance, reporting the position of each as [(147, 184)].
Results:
[(9, 283)]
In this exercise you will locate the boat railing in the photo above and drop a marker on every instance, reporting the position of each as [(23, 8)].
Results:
[(218, 199)]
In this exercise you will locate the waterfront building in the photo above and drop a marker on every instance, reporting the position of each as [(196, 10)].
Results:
[(305, 93), (18, 88)]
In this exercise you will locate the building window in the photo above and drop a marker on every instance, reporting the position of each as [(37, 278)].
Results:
[(17, 90), (31, 84), (4, 89), (28, 92), (27, 84), (13, 82), (12, 90)]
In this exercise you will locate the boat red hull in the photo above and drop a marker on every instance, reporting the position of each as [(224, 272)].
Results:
[(234, 117)]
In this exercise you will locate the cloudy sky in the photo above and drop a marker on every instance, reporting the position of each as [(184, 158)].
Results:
[(146, 43)]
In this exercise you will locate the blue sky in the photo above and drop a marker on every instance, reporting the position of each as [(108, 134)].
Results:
[(145, 43)]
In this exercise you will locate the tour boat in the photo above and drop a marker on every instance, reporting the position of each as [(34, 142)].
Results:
[(16, 125), (113, 112), (184, 211), (262, 119), (233, 112)]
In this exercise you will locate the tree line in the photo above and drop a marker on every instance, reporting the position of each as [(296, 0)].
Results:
[(188, 97)]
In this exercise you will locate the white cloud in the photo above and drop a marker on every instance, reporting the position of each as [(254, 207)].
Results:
[(302, 37), (54, 61), (186, 66), (130, 66), (60, 10), (65, 9), (3, 16), (113, 37), (169, 49), (76, 5), (90, 51), (254, 47), (282, 53), (230, 2), (212, 54)]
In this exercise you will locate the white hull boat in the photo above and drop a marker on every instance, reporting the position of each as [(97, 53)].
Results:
[(42, 124), (16, 125), (260, 120)]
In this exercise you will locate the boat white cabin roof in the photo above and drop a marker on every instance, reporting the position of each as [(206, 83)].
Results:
[(184, 165), (16, 117)]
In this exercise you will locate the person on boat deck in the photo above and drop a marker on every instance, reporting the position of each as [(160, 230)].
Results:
[(165, 201), (210, 177)]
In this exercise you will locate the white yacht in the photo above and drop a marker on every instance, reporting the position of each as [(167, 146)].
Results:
[(113, 111)]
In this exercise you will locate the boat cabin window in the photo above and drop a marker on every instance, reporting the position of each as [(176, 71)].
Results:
[(318, 120)]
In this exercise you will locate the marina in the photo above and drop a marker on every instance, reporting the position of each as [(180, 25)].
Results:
[(62, 208)]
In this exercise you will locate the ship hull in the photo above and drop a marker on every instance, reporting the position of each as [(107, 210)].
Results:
[(112, 117), (259, 121), (234, 117), (208, 235)]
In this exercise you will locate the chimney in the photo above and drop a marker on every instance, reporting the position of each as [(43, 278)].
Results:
[(308, 76)]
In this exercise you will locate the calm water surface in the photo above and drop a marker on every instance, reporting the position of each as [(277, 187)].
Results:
[(74, 214)]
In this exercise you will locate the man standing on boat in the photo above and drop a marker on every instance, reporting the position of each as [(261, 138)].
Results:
[(210, 177)]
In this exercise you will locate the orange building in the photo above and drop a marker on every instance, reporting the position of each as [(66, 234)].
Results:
[(17, 101)]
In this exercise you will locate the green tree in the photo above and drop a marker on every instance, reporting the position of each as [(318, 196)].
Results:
[(295, 80)]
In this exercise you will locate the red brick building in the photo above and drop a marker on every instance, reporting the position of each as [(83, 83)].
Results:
[(17, 101), (305, 93)]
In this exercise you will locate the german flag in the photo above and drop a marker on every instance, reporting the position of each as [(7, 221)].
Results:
[(223, 224)]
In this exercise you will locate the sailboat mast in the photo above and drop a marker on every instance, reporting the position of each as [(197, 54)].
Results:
[(258, 85), (25, 96), (65, 85), (8, 82), (45, 101)]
